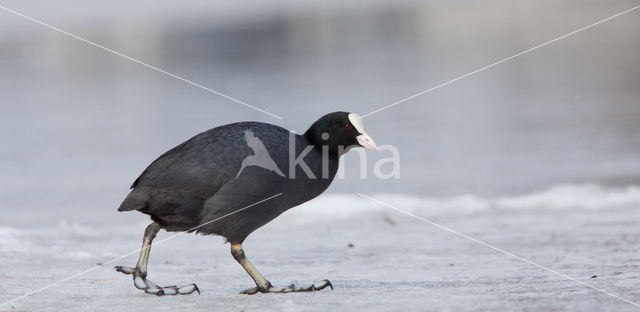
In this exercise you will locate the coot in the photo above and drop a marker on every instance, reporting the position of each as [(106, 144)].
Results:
[(235, 178)]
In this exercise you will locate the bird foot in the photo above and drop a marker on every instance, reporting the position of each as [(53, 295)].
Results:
[(287, 289), (142, 283)]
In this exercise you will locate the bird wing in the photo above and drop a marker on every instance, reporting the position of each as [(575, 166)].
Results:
[(196, 169)]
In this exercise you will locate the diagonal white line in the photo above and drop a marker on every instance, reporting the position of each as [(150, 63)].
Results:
[(497, 249), (499, 62), (137, 61), (133, 252)]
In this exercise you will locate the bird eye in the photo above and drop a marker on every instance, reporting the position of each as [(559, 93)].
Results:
[(347, 126)]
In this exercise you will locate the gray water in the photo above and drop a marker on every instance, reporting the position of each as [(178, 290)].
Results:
[(78, 124)]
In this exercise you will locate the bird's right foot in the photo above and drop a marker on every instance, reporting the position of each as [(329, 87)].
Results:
[(142, 283), (287, 289)]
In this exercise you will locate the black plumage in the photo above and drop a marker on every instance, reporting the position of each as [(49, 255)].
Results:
[(205, 183)]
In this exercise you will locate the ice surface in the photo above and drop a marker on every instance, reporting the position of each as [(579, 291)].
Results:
[(395, 262)]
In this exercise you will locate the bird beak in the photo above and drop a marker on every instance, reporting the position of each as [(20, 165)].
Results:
[(365, 141)]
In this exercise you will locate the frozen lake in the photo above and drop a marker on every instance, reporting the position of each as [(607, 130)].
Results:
[(395, 262)]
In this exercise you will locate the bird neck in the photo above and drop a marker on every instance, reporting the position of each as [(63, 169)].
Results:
[(314, 138)]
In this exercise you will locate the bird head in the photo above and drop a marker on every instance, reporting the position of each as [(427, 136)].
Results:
[(340, 129)]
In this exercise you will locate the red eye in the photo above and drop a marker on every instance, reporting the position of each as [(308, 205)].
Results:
[(347, 126)]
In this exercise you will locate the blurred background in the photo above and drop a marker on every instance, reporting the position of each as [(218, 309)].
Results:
[(78, 124)]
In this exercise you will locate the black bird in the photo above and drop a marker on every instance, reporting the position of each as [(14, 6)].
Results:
[(235, 178)]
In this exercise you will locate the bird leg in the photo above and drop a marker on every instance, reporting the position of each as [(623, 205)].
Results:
[(262, 284), (140, 271)]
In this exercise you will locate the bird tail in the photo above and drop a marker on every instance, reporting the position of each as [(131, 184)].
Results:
[(136, 200)]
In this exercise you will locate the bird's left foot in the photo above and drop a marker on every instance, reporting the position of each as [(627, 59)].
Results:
[(287, 289), (141, 282)]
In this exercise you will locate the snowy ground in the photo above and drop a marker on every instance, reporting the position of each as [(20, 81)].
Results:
[(395, 262)]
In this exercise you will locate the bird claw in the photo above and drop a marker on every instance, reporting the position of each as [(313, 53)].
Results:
[(150, 287), (291, 288), (173, 290), (250, 291), (126, 270)]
